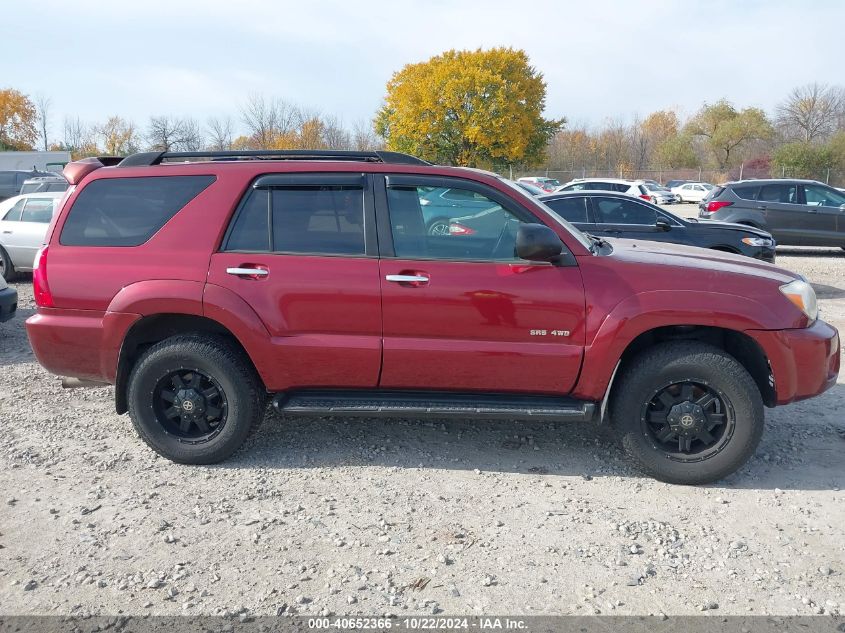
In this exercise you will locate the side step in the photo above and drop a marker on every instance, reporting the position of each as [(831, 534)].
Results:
[(420, 404)]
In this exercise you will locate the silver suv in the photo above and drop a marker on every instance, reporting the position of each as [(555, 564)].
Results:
[(795, 212)]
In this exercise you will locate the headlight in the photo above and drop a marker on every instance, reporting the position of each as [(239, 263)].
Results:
[(757, 241), (803, 296)]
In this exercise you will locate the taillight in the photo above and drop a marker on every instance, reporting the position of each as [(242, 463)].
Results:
[(645, 196), (715, 205), (460, 229), (40, 287)]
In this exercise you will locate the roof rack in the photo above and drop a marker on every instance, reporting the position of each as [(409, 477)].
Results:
[(146, 159)]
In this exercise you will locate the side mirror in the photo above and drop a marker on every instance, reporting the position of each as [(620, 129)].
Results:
[(537, 243), (663, 225)]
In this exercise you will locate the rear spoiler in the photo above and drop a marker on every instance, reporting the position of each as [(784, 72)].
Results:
[(76, 171)]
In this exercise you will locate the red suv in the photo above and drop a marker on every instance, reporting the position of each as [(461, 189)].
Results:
[(200, 284)]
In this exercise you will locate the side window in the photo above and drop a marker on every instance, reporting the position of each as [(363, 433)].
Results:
[(57, 186), (38, 210), (572, 209), (778, 193), (7, 178), (251, 230), (747, 192), (619, 211), (14, 214), (578, 186), (323, 220), (477, 228), (817, 195), (127, 211), (312, 219)]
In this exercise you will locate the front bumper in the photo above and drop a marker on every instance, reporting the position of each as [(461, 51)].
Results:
[(8, 303), (804, 362)]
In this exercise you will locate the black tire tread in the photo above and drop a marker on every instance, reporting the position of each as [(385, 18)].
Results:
[(663, 357), (219, 350)]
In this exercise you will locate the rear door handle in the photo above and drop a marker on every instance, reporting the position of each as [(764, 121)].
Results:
[(407, 279), (248, 272), (8, 232)]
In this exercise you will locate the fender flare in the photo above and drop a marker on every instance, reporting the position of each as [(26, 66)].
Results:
[(647, 311)]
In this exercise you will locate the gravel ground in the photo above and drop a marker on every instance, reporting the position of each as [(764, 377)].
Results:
[(402, 517)]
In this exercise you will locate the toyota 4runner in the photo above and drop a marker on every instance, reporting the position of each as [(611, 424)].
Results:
[(202, 284)]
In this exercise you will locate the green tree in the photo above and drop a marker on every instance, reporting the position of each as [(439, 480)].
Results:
[(676, 152), (726, 131), (18, 119), (802, 159), (473, 108)]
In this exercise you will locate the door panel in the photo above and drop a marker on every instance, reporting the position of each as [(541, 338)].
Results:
[(298, 252), (498, 325), (323, 315), (825, 227)]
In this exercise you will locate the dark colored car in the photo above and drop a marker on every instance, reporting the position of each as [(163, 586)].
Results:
[(12, 180), (795, 212), (203, 284), (8, 301), (620, 215)]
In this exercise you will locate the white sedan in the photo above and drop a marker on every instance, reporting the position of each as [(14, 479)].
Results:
[(23, 227), (692, 191)]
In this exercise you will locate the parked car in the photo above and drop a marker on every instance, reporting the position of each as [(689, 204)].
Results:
[(440, 204), (8, 301), (23, 225), (41, 184), (671, 184), (532, 189), (692, 191), (11, 181), (543, 182), (631, 187), (199, 289), (607, 214), (660, 194), (795, 212)]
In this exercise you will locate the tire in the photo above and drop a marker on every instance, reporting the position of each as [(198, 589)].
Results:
[(7, 269), (227, 401), (438, 226), (707, 370)]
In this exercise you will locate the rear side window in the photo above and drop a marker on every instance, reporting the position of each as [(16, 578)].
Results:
[(322, 220), (128, 211), (571, 209), (747, 192), (779, 193), (38, 210)]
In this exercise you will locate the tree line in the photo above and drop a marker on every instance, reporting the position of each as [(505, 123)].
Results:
[(803, 137), (268, 123), (479, 108)]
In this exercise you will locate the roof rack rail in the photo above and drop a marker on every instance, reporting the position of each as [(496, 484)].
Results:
[(146, 159)]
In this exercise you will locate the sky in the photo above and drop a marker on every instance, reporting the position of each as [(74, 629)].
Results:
[(601, 59)]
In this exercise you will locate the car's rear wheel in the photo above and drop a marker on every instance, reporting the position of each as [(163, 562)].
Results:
[(687, 412), (194, 398), (439, 226), (7, 269)]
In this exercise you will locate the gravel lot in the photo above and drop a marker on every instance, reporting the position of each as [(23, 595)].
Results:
[(375, 517)]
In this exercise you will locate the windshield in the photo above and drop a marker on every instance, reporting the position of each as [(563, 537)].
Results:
[(524, 195)]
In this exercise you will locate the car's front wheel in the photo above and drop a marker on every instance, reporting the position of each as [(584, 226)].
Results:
[(687, 412), (194, 398)]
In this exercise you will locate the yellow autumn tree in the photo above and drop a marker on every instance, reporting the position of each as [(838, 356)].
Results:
[(18, 119), (474, 108)]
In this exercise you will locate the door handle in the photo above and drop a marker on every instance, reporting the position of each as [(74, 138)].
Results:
[(761, 207), (8, 232), (407, 279), (248, 272)]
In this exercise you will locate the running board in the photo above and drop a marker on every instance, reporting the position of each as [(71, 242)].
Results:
[(419, 404)]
